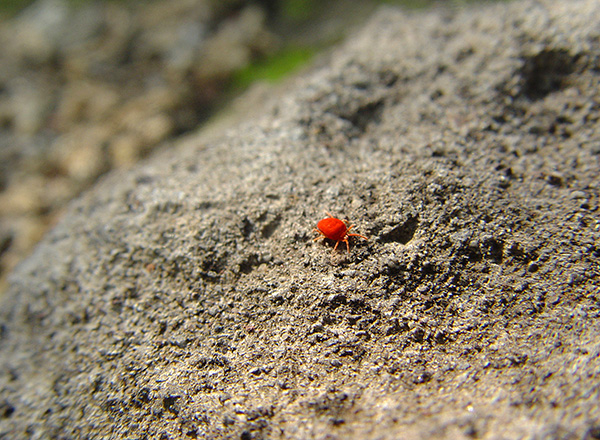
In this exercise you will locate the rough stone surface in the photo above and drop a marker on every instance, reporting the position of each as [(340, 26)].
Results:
[(186, 298)]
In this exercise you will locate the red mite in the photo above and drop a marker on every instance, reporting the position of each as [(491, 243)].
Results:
[(336, 230)]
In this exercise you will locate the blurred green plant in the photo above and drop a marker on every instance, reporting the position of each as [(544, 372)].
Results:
[(12, 6), (421, 4), (411, 4), (274, 68), (298, 9), (301, 10)]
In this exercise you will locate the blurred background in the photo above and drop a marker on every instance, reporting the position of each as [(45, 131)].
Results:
[(90, 86)]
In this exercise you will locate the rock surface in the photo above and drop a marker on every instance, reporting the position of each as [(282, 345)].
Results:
[(186, 298)]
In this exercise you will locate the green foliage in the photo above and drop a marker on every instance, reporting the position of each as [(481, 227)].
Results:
[(13, 6), (411, 4), (421, 4), (274, 68), (299, 9)]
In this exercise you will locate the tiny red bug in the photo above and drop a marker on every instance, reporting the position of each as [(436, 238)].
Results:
[(336, 230)]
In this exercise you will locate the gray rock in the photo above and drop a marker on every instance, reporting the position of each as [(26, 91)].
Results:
[(186, 298), (36, 34)]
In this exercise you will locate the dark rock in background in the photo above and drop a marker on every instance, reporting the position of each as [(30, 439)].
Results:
[(84, 90)]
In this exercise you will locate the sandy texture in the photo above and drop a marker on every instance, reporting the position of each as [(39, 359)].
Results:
[(186, 299)]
